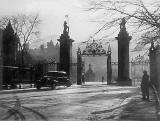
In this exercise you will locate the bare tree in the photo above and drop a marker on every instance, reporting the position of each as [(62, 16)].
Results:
[(142, 17), (25, 26)]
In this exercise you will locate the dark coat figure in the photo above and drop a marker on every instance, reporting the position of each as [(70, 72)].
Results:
[(83, 78), (145, 86)]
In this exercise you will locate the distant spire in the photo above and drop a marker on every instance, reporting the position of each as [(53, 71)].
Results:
[(9, 22), (9, 25), (9, 29)]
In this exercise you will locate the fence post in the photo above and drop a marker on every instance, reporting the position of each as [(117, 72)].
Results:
[(31, 75), (79, 67)]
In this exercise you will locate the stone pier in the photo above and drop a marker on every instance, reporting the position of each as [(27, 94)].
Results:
[(123, 55), (65, 50)]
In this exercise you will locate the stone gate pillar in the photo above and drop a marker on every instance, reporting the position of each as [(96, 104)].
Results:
[(109, 66), (65, 50), (152, 59), (79, 67), (123, 55), (157, 66), (1, 61)]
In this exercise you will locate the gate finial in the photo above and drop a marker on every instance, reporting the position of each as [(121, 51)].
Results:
[(152, 46), (109, 49)]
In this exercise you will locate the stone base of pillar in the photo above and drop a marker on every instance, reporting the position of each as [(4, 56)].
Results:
[(127, 82), (109, 83), (79, 83)]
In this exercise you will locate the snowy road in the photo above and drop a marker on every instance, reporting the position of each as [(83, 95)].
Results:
[(76, 103)]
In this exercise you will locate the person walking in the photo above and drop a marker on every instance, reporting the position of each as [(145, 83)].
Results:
[(102, 79), (145, 86), (83, 78)]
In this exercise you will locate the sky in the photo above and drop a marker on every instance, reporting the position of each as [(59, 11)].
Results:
[(52, 14)]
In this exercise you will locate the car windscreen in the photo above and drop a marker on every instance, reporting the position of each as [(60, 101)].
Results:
[(56, 74), (62, 75)]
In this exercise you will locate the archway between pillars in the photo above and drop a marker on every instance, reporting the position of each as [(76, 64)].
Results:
[(93, 49)]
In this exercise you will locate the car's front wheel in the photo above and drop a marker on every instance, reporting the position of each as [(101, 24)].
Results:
[(38, 87), (53, 86), (68, 84)]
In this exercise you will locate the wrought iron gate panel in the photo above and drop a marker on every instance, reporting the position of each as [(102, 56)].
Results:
[(114, 71), (52, 66), (73, 72), (136, 71)]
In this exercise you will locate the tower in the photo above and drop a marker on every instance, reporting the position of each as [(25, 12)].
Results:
[(65, 50), (123, 55)]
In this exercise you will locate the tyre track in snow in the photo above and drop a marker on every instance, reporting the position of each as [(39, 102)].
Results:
[(20, 115)]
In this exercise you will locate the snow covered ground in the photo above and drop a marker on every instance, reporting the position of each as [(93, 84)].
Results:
[(89, 102)]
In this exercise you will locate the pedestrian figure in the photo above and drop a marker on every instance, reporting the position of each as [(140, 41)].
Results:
[(102, 79), (145, 86), (83, 78)]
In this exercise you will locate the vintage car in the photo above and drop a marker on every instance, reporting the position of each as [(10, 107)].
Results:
[(53, 79)]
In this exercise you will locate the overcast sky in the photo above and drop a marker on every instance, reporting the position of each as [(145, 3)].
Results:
[(52, 14)]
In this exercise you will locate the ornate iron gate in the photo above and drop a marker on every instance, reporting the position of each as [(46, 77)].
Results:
[(93, 49), (136, 71)]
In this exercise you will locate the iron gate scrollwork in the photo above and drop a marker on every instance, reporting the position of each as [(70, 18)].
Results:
[(93, 49)]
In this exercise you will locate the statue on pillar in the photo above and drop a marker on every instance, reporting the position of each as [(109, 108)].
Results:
[(123, 54), (66, 28), (123, 24), (65, 50)]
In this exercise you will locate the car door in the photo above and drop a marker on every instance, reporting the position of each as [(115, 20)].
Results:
[(60, 78)]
